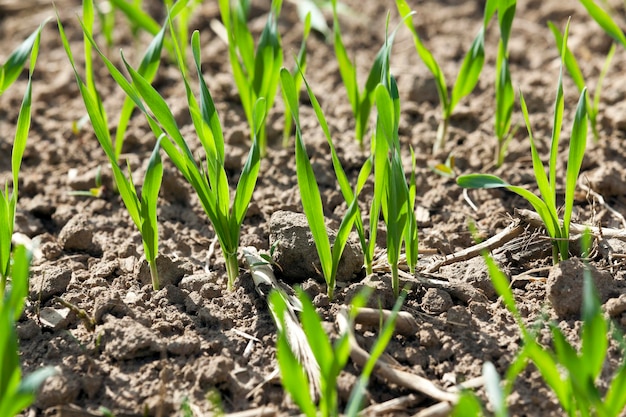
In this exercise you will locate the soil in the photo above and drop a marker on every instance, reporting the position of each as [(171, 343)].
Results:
[(140, 352)]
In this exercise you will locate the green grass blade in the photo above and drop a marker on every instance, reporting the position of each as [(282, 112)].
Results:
[(491, 6), (615, 399), (548, 192), (346, 67), (309, 190), (21, 134), (550, 372), (569, 59), (425, 55), (469, 73), (137, 16), (577, 146), (293, 376), (411, 237), (316, 335), (149, 198), (147, 68), (506, 15), (595, 330), (503, 287), (605, 21), (158, 106), (298, 73), (488, 181), (11, 69), (559, 105), (249, 173), (383, 339)]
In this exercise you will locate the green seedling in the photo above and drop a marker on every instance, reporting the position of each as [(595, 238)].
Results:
[(148, 68), (310, 194), (16, 391), (546, 206), (256, 73), (331, 357), (209, 179), (577, 76), (143, 211), (298, 75), (141, 20), (605, 21), (361, 101), (570, 372), (505, 94), (8, 196), (313, 8), (95, 192), (466, 79), (12, 68), (398, 198)]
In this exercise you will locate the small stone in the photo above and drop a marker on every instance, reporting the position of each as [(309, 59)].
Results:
[(458, 315), (60, 389), (436, 301), (78, 235), (609, 179), (55, 318), (48, 282), (170, 271), (564, 287), (616, 306), (428, 338), (193, 282), (109, 303), (296, 253)]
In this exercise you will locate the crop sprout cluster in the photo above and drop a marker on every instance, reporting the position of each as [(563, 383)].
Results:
[(258, 71)]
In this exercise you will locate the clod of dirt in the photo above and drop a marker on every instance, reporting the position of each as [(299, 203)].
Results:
[(48, 282), (85, 181), (616, 306), (60, 389), (184, 346), (170, 271), (78, 235), (55, 318), (295, 252), (564, 288), (473, 272), (436, 301), (609, 179), (125, 339)]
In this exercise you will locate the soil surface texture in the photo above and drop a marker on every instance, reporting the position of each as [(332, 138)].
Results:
[(92, 312)]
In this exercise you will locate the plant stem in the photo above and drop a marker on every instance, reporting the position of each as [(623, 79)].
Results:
[(498, 158), (442, 133), (395, 281), (154, 273), (232, 269)]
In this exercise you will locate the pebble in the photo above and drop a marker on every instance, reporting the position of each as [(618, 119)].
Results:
[(78, 235), (436, 301), (60, 389), (296, 253), (48, 282), (171, 272), (564, 287)]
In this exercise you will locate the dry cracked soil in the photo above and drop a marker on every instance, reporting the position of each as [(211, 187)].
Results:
[(118, 344)]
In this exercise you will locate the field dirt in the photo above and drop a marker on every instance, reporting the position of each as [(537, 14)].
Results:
[(140, 352)]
